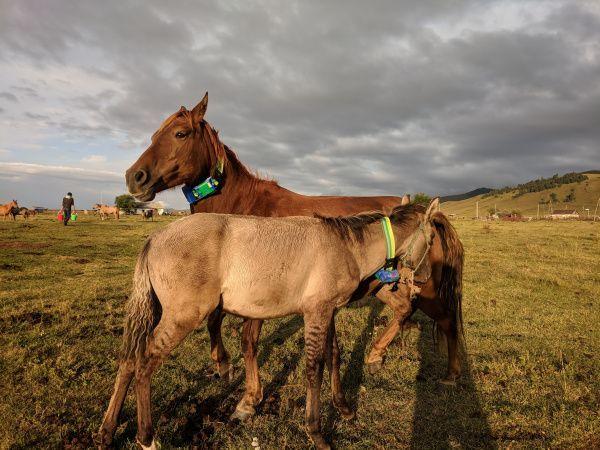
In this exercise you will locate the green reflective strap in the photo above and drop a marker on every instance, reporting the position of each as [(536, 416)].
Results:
[(390, 242)]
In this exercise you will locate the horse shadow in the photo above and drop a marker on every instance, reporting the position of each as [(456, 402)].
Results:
[(446, 416)]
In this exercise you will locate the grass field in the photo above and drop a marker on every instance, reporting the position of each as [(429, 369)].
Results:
[(586, 195), (531, 374)]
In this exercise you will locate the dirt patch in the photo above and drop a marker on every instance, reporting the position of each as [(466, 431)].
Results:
[(21, 244), (9, 266), (81, 260)]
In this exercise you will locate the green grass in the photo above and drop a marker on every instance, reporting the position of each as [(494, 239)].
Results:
[(587, 194), (532, 374)]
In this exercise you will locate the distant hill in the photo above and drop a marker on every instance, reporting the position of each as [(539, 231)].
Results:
[(578, 195), (466, 195)]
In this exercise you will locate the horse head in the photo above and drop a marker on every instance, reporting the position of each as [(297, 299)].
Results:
[(415, 249), (183, 151)]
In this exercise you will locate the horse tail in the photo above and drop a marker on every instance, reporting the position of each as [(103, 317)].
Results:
[(450, 288), (143, 310)]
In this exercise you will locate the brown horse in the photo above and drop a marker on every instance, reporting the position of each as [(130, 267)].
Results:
[(186, 149), (7, 210), (106, 210), (258, 267)]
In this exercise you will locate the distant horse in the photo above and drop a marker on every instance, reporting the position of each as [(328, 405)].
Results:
[(148, 214), (8, 210), (106, 210), (25, 212), (258, 267), (186, 150)]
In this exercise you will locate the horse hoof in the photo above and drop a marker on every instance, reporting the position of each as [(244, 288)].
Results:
[(103, 439), (448, 381), (347, 413), (375, 366), (226, 374), (319, 441), (152, 446), (242, 414)]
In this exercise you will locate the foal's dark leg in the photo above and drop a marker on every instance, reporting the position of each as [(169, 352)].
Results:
[(254, 392), (399, 302), (217, 350), (433, 307), (333, 366), (316, 327), (451, 334)]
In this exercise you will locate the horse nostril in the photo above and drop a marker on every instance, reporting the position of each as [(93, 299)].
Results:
[(140, 177)]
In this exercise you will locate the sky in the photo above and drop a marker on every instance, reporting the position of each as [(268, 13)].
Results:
[(337, 97)]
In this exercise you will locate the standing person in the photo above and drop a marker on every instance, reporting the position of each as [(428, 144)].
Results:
[(67, 203)]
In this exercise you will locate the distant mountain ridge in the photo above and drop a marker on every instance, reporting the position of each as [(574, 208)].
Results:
[(466, 195), (533, 198), (564, 179)]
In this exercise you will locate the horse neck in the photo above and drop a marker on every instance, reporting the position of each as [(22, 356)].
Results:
[(370, 254), (241, 189)]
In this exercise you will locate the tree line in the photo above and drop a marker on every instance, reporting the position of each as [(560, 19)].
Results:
[(541, 184)]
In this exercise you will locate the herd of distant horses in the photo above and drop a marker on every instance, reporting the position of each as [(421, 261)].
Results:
[(256, 250), (11, 210)]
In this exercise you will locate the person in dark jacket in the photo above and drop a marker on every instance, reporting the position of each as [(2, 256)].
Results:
[(68, 203)]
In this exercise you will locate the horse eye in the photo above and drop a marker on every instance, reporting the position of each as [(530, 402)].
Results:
[(180, 134)]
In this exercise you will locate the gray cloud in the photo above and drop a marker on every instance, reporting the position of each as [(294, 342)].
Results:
[(9, 96), (431, 96)]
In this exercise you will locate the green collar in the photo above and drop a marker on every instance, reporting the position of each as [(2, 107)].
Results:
[(208, 187), (388, 274)]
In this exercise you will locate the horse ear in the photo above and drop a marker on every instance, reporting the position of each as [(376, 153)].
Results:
[(434, 206), (200, 109), (405, 200)]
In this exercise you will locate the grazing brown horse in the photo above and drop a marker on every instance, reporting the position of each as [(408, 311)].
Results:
[(186, 150), (7, 210), (106, 210), (257, 267)]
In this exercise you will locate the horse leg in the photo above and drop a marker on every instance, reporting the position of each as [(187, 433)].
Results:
[(166, 336), (109, 423), (316, 328), (399, 302), (451, 334), (217, 350), (254, 392), (432, 306), (332, 359)]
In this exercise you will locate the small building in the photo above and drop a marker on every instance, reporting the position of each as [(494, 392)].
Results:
[(39, 209), (559, 214)]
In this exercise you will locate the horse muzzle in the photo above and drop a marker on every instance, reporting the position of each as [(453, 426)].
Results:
[(139, 185)]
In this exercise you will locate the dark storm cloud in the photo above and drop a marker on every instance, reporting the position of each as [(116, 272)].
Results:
[(338, 97), (9, 96)]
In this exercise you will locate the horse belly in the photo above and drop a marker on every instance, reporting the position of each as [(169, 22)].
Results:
[(260, 302)]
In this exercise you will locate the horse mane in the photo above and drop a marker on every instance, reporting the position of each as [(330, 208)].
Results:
[(354, 227)]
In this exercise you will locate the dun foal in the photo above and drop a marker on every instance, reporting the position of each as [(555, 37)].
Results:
[(185, 150), (259, 268)]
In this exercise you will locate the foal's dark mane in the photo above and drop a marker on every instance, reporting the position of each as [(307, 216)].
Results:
[(355, 226)]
